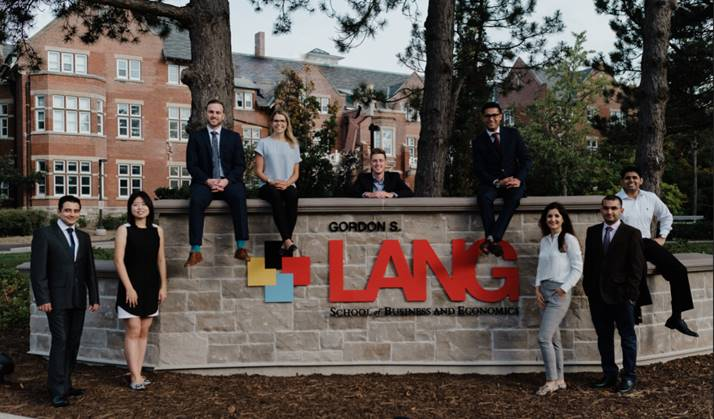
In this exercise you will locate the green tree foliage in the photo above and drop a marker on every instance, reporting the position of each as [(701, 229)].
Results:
[(294, 96), (557, 127)]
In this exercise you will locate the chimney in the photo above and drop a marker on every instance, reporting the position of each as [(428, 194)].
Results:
[(260, 44)]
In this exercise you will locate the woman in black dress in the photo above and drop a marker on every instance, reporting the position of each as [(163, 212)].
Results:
[(141, 266)]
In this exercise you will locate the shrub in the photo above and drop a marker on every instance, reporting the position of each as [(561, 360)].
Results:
[(20, 222), (111, 222), (701, 230), (14, 298), (81, 223), (171, 193)]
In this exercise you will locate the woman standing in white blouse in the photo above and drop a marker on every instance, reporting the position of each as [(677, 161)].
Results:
[(560, 265)]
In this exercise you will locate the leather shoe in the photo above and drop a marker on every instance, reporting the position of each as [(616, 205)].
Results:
[(242, 254), (76, 392), (681, 326), (496, 249), (194, 258), (59, 401), (605, 382), (626, 385), (485, 247)]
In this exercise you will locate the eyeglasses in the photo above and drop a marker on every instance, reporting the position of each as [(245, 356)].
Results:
[(491, 115)]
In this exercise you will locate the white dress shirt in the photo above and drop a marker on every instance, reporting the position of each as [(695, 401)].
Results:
[(554, 265), (64, 228), (218, 136), (640, 210)]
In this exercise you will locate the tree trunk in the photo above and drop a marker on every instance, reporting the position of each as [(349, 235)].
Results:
[(653, 92), (210, 75), (438, 104)]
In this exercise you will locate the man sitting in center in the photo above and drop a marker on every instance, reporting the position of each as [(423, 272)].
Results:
[(380, 183)]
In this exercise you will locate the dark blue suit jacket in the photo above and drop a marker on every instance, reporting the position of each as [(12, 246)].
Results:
[(491, 164), (199, 156)]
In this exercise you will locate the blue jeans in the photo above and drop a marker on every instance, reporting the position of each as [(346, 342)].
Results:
[(605, 318)]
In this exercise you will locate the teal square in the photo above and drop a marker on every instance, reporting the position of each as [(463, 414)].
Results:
[(282, 291)]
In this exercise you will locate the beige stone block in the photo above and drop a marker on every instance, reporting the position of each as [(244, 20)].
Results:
[(653, 340), (215, 322), (309, 320), (341, 323), (40, 343), (93, 337), (39, 325), (413, 351), (297, 341), (516, 236), (577, 319), (317, 292), (223, 354), (355, 255), (366, 351), (425, 336), (315, 246), (218, 338), (305, 304), (587, 351), (391, 332), (237, 288), (259, 352), (509, 339), (459, 222), (516, 355), (105, 318), (218, 224), (194, 284), (435, 322), (319, 275), (431, 227), (463, 345), (203, 301), (256, 316), (115, 338), (182, 349), (261, 337), (330, 340), (355, 336), (174, 302), (321, 223), (496, 321), (368, 239)]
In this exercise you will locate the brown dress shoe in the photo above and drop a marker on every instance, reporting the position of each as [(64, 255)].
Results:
[(242, 254), (194, 258)]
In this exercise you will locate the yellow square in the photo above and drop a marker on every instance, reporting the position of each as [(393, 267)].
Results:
[(258, 276)]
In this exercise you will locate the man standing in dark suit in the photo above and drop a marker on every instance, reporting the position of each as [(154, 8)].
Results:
[(612, 273), (501, 163), (216, 162), (62, 273), (380, 183)]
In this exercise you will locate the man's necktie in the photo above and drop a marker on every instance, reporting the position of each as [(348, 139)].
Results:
[(70, 230), (496, 140), (606, 240), (215, 156)]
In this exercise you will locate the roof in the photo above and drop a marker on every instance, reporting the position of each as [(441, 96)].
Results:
[(543, 78), (5, 50), (266, 72)]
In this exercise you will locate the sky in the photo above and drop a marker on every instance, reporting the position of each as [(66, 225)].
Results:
[(315, 30)]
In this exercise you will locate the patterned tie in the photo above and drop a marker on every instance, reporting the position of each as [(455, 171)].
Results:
[(606, 240), (496, 140), (70, 230), (215, 156)]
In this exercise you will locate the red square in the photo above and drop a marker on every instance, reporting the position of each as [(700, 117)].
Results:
[(299, 267)]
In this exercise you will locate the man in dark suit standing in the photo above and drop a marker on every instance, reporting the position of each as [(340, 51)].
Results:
[(216, 162), (501, 163), (62, 274), (611, 277), (380, 183)]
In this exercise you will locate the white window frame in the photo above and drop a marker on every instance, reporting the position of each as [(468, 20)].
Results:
[(251, 135), (41, 184), (53, 61), (379, 140), (4, 120), (174, 74), (67, 63), (178, 176), (100, 116), (135, 70), (84, 60), (40, 113), (128, 120), (129, 179), (244, 100), (324, 104), (592, 143), (177, 122), (411, 145), (508, 120)]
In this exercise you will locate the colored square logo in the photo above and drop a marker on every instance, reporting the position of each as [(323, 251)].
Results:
[(258, 275), (299, 267), (282, 291)]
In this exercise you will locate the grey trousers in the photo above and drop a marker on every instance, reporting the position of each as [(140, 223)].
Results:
[(549, 333)]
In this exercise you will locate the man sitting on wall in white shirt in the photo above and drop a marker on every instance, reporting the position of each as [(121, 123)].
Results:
[(640, 208)]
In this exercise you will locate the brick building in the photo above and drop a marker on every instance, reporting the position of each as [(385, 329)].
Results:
[(530, 85), (106, 119)]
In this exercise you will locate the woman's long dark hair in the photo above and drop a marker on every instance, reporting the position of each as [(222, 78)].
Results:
[(147, 200), (567, 224)]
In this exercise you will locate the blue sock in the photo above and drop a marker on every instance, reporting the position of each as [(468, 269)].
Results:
[(240, 244), (196, 248)]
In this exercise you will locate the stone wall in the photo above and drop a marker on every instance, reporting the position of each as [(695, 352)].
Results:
[(213, 320)]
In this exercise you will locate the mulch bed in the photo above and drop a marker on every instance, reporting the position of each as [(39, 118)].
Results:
[(680, 388)]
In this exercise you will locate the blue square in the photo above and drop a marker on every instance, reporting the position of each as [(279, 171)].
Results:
[(282, 291)]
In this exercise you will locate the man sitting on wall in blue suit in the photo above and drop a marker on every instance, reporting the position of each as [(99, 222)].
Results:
[(501, 163)]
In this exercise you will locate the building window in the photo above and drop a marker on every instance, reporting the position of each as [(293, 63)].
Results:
[(84, 115), (100, 117), (4, 121), (129, 179), (53, 61), (85, 178), (178, 121), (324, 104), (80, 64), (175, 73), (508, 120), (178, 177), (129, 120), (616, 117), (244, 100), (70, 114), (67, 62), (58, 171), (40, 113), (251, 136), (412, 114), (412, 150), (128, 69), (384, 139), (592, 113), (41, 167), (592, 143)]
